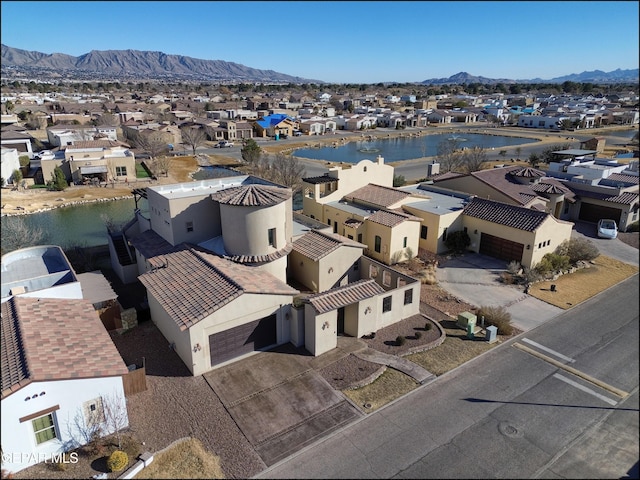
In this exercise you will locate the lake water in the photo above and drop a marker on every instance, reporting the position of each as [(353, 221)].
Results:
[(405, 148)]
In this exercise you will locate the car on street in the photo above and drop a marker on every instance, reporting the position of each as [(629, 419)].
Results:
[(607, 228), (223, 144)]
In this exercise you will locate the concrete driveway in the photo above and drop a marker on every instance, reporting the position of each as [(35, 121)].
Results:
[(280, 402), (613, 248), (475, 279)]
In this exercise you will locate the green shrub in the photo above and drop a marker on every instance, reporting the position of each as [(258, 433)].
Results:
[(578, 249), (117, 461), (427, 326), (552, 263), (24, 160), (418, 335), (634, 227), (400, 340), (514, 267), (497, 316)]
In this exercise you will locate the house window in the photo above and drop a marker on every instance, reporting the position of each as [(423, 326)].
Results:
[(386, 278), (350, 237), (360, 237), (408, 296), (356, 266), (272, 237), (386, 304), (44, 428), (444, 235), (404, 242), (121, 171), (189, 227), (93, 412), (423, 232), (373, 271), (378, 241)]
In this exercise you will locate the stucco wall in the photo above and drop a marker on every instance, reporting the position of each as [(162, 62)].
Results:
[(18, 438)]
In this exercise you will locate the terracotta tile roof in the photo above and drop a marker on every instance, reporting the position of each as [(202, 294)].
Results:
[(353, 222), (150, 244), (447, 176), (92, 144), (192, 284), (625, 198), (315, 244), (270, 257), (390, 219), (505, 214), (526, 172), (252, 195), (54, 339), (346, 295), (377, 195)]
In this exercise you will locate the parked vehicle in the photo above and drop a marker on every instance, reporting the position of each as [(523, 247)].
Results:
[(297, 134), (223, 144), (607, 228)]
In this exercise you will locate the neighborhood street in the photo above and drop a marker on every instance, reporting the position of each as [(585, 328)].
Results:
[(560, 401)]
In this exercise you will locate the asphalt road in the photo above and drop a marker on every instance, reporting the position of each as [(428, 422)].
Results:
[(560, 401)]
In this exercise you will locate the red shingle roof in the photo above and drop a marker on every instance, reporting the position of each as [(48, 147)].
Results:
[(54, 339)]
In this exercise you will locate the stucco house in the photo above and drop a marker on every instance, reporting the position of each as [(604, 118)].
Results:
[(9, 163), (59, 365), (274, 126), (15, 137), (70, 134), (84, 160)]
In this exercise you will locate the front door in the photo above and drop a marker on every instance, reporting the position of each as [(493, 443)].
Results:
[(341, 321)]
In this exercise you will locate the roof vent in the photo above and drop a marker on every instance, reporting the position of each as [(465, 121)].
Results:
[(18, 290)]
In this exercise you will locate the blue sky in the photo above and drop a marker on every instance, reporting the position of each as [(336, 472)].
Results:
[(346, 42)]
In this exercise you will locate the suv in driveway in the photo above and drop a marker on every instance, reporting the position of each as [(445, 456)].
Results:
[(223, 144)]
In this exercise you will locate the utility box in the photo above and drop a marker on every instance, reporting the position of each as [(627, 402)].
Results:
[(465, 318), (470, 330), (492, 334)]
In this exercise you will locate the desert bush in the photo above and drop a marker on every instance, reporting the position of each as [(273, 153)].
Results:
[(400, 340), (578, 249), (418, 335), (507, 278), (117, 461), (427, 326), (634, 227), (497, 316), (553, 262), (531, 275), (513, 267)]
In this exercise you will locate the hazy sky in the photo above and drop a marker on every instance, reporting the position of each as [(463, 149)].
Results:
[(346, 42)]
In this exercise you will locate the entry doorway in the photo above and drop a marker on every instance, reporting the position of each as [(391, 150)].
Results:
[(341, 321)]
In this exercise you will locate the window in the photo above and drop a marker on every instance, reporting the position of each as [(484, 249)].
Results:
[(408, 296), (189, 227), (423, 232), (121, 171), (356, 266), (272, 237), (386, 304), (444, 235), (360, 237), (93, 412), (404, 242), (378, 241), (386, 278), (373, 271), (350, 237), (44, 428)]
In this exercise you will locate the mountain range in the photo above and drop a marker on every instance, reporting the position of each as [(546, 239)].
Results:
[(147, 65)]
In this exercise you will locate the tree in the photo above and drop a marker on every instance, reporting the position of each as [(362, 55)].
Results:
[(162, 164), (58, 180), (107, 119), (448, 155), (287, 170), (17, 233), (151, 142), (194, 136), (457, 241), (399, 180), (115, 415), (473, 158), (534, 159), (17, 176), (251, 151)]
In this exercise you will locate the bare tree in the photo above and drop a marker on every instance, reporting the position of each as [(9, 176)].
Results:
[(473, 158), (152, 142), (107, 119), (288, 171), (115, 415), (162, 164), (193, 136), (18, 233), (448, 154)]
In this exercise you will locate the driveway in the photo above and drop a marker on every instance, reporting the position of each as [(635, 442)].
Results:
[(475, 279), (613, 248)]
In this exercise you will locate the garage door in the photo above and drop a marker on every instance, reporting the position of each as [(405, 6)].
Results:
[(590, 212), (244, 339), (500, 248)]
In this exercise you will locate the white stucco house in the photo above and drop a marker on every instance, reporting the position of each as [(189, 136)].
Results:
[(61, 373), (9, 162)]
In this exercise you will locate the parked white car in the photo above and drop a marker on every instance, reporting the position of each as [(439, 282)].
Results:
[(223, 144), (607, 228)]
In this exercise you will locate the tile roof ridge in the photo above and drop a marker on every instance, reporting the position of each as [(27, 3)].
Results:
[(198, 253)]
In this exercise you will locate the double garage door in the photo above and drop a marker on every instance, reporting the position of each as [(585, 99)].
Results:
[(241, 340), (500, 248), (590, 212)]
